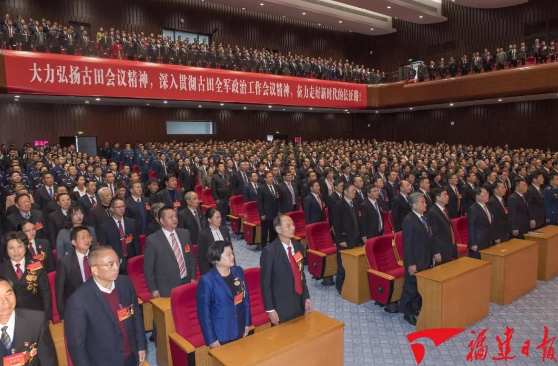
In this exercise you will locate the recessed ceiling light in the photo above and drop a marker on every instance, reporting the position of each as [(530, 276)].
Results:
[(451, 104), (97, 99), (411, 108), (389, 7), (17, 96), (340, 21), (244, 108), (319, 23), (86, 102), (199, 106), (268, 106), (146, 103), (261, 4), (284, 109), (346, 110), (420, 16), (243, 8), (311, 108), (303, 13), (221, 104), (371, 28), (499, 100), (165, 102), (16, 100), (284, 16)]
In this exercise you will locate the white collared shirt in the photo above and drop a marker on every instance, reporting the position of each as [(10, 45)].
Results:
[(122, 221), (22, 265), (440, 207), (216, 234), (11, 326), (80, 262), (34, 246), (104, 289)]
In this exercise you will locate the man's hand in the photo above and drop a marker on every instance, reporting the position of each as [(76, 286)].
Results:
[(533, 223), (474, 248), (412, 270), (547, 221), (155, 294), (343, 244), (438, 257), (273, 317), (307, 306), (141, 355), (515, 232), (263, 218), (215, 344), (246, 331)]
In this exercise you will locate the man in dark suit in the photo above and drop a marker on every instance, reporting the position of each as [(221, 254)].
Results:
[(391, 186), (383, 200), (400, 205), (221, 189), (192, 218), (119, 232), (27, 333), (346, 229), (535, 200), (479, 223), (519, 221), (418, 253), (240, 179), (371, 223), (268, 207), (160, 167), (336, 195), (443, 238), (288, 198), (454, 205), (58, 219), (170, 195), (283, 283), (26, 213), (45, 193), (73, 269), (359, 187), (467, 192), (424, 188), (100, 213), (313, 205), (103, 321), (169, 259), (138, 208), (90, 199), (188, 177), (251, 190), (497, 208)]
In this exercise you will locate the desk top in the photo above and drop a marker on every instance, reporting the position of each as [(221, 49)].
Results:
[(509, 247), (267, 343), (452, 269), (162, 303), (544, 232), (355, 252)]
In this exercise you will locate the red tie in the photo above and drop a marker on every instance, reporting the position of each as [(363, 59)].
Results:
[(31, 250), (296, 273), (86, 268), (122, 240), (19, 273)]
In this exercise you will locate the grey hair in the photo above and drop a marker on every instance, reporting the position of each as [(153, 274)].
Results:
[(478, 163), (188, 195), (155, 209), (103, 190), (414, 198)]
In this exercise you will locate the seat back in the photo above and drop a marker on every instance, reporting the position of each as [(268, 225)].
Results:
[(251, 213), (460, 230), (379, 253), (388, 229), (326, 213), (55, 255), (198, 190), (530, 61), (257, 308), (399, 244), (142, 243), (300, 223), (318, 236), (51, 282), (300, 204), (237, 206), (185, 314), (197, 264), (390, 222), (136, 274), (207, 198), (136, 169)]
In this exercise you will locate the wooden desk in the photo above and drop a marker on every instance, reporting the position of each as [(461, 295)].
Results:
[(164, 322), (455, 294), (313, 339), (548, 251), (355, 287), (514, 269)]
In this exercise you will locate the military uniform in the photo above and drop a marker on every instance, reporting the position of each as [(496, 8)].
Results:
[(550, 195)]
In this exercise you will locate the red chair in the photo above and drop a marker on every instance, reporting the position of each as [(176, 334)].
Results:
[(197, 265), (207, 200), (152, 174), (390, 221), (236, 204), (398, 247), (120, 166), (530, 61), (198, 190), (52, 282), (136, 169), (178, 184), (322, 253), (55, 255), (300, 204), (136, 274), (459, 226), (186, 343), (142, 243), (252, 223), (56, 327), (385, 276), (388, 228), (300, 226), (260, 319), (326, 213)]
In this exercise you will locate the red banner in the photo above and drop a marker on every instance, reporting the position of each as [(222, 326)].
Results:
[(51, 74)]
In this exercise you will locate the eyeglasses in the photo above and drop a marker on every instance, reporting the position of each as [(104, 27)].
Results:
[(115, 264)]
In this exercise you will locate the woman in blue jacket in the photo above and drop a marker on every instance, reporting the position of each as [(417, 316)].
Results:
[(222, 298)]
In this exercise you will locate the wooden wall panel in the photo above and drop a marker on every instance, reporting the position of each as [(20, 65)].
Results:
[(27, 122)]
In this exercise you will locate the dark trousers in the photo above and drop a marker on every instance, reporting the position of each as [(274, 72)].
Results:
[(223, 208), (473, 254), (268, 230), (131, 361), (411, 301), (340, 279)]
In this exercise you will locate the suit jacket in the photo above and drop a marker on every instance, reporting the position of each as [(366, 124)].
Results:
[(42, 197), (268, 203), (442, 241), (536, 206), (68, 279), (478, 227), (500, 223), (345, 224), (221, 187), (454, 205), (159, 169), (384, 201), (277, 281), (400, 208), (140, 212), (204, 241), (42, 300), (286, 198), (97, 216), (165, 197), (250, 193), (518, 215), (31, 329), (43, 247), (220, 319), (84, 202), (313, 211), (391, 190), (56, 222), (427, 198), (237, 183), (417, 243), (159, 262), (370, 219), (15, 219), (109, 234), (92, 331), (187, 179), (467, 197), (186, 220)]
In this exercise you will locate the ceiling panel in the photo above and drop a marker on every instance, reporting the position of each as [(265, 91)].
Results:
[(489, 4)]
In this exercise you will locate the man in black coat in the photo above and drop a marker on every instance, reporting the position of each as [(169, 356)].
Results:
[(313, 205), (400, 205), (418, 255), (288, 197), (45, 193), (371, 223), (170, 195), (221, 189), (100, 213), (138, 208), (26, 213), (192, 218), (90, 199), (346, 228), (467, 192), (251, 190), (283, 283), (240, 179), (268, 207), (519, 222), (497, 207), (479, 223), (58, 219), (454, 205), (443, 237), (535, 200)]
